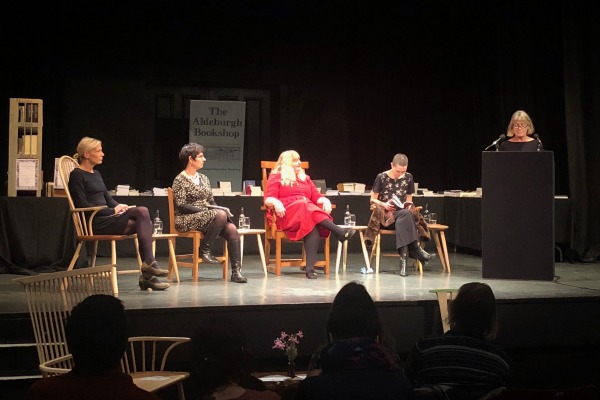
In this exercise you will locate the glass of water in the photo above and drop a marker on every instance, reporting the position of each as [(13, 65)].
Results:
[(432, 218), (352, 220), (246, 224)]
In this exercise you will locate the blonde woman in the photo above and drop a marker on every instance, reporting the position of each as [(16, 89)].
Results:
[(88, 190), (302, 213), (520, 128)]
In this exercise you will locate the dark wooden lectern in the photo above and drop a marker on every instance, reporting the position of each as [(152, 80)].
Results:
[(517, 215)]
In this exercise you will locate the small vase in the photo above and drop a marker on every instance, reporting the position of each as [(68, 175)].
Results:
[(291, 369)]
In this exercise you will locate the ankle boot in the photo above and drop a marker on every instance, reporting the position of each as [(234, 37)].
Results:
[(205, 253), (234, 258), (421, 254), (403, 265)]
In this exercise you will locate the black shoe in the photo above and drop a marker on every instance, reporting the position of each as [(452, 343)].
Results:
[(311, 275), (424, 256), (153, 283), (348, 233), (148, 271), (207, 257)]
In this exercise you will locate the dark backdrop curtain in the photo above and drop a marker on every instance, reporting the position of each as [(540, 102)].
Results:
[(582, 108)]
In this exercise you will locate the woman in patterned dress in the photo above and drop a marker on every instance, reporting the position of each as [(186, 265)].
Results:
[(302, 213), (396, 181), (192, 193)]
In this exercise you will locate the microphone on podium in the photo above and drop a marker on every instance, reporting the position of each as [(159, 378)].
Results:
[(496, 142), (540, 146)]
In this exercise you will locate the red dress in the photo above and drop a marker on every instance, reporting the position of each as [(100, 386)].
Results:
[(302, 212)]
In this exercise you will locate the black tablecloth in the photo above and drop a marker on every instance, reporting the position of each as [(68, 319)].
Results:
[(37, 233)]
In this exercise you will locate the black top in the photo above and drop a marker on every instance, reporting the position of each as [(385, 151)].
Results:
[(386, 186), (88, 190), (519, 146)]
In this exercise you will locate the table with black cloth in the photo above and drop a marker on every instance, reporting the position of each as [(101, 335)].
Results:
[(38, 234)]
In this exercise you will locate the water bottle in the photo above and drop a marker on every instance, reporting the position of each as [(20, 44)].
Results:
[(157, 225), (241, 219), (347, 215), (426, 214)]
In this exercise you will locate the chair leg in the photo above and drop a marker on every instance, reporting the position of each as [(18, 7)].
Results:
[(225, 262), (328, 256), (94, 253), (377, 253), (278, 256), (113, 260), (195, 258), (75, 256)]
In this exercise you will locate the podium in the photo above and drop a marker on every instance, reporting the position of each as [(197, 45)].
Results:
[(517, 215)]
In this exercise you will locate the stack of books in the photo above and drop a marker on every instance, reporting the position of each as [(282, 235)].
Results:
[(122, 190), (159, 191)]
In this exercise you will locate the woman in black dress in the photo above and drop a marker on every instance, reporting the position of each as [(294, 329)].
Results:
[(88, 190), (519, 131)]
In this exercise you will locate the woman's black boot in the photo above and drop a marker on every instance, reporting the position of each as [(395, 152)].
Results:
[(420, 254), (234, 258), (403, 265), (205, 253)]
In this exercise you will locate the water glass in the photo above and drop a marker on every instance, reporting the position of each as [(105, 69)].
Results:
[(352, 220), (432, 218), (246, 224)]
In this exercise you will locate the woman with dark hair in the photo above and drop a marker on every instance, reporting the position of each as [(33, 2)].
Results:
[(463, 363), (193, 195), (356, 364)]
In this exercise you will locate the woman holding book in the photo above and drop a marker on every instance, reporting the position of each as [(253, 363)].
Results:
[(194, 210), (300, 210), (87, 189), (392, 191)]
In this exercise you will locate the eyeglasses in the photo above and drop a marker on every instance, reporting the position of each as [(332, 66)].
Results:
[(523, 125)]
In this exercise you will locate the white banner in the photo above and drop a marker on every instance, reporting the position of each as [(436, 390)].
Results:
[(219, 126)]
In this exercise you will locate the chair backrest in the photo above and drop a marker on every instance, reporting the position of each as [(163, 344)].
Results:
[(171, 201), (267, 166), (51, 297), (149, 353), (66, 164)]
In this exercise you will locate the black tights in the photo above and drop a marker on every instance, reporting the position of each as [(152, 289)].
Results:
[(311, 241), (140, 223), (227, 229)]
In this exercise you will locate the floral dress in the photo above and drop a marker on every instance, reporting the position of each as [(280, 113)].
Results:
[(187, 192)]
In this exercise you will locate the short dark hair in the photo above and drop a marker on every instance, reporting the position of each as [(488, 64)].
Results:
[(96, 333), (473, 311), (400, 159), (189, 150), (353, 314)]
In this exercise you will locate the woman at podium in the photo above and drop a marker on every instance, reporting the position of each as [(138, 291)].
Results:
[(519, 132)]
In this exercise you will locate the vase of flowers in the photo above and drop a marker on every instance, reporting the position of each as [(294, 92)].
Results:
[(289, 344)]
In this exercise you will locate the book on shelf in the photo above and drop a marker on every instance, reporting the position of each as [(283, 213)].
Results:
[(226, 209)]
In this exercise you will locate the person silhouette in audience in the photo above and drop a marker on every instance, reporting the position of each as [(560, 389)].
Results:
[(221, 365), (463, 363), (355, 364), (96, 334)]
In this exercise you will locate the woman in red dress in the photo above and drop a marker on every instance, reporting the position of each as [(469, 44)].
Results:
[(302, 213)]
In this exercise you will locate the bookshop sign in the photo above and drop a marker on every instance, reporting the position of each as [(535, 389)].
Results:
[(219, 127)]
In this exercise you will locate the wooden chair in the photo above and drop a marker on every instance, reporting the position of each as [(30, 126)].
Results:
[(193, 258), (82, 219), (146, 356), (51, 297), (280, 237)]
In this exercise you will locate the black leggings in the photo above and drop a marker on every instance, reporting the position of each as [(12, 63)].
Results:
[(311, 241), (227, 230), (140, 223)]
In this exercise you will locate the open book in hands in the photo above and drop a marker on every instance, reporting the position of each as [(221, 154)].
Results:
[(400, 205)]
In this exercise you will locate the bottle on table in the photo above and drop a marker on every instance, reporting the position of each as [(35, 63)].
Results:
[(157, 225), (241, 219), (347, 215)]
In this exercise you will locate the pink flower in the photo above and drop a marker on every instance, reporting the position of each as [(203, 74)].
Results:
[(288, 343)]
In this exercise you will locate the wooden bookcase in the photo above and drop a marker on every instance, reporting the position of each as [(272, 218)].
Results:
[(25, 147)]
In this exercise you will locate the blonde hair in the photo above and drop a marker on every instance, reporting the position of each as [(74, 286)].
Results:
[(520, 115), (86, 144), (285, 169)]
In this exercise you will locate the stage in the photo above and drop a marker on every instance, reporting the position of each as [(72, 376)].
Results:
[(550, 329)]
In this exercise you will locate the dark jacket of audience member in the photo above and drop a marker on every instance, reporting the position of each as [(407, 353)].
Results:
[(355, 364), (96, 335), (463, 363)]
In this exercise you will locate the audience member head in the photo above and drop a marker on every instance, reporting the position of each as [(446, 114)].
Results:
[(353, 314), (96, 334), (520, 117), (219, 354), (87, 144), (400, 160), (189, 150), (288, 166), (473, 311)]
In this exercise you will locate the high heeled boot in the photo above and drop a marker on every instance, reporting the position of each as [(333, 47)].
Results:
[(234, 258), (403, 265), (205, 253)]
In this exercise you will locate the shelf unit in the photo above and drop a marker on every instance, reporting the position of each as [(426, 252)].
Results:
[(25, 147)]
